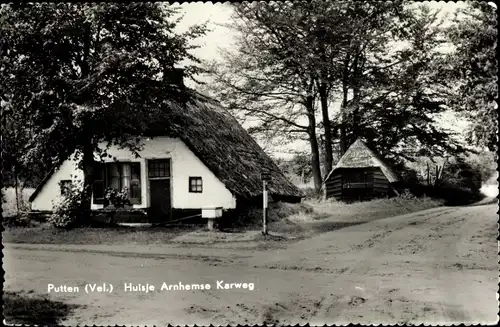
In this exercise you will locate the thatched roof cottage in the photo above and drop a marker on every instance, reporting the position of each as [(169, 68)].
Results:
[(211, 161), (360, 174)]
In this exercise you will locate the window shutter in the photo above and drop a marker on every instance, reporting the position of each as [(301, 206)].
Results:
[(135, 183), (99, 183)]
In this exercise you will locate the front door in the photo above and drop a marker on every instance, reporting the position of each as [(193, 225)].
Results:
[(159, 190)]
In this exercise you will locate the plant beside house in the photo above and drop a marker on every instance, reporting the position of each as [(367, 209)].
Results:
[(117, 199), (68, 213)]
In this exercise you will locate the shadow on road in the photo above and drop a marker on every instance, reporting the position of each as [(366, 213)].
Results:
[(26, 309)]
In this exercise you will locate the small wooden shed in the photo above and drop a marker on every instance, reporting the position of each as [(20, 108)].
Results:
[(360, 174)]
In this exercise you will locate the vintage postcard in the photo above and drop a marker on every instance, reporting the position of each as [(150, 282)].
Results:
[(273, 163)]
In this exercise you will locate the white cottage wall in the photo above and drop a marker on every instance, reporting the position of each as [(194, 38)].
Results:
[(184, 164), (50, 194)]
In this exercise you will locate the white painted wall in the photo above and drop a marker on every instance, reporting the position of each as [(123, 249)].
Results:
[(50, 194), (184, 164)]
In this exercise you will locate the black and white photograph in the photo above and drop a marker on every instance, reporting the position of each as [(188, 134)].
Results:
[(249, 163)]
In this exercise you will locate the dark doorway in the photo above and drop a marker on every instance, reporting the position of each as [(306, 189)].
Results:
[(159, 189)]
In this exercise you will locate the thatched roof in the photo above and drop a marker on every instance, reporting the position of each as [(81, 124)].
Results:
[(222, 144), (225, 147), (360, 156)]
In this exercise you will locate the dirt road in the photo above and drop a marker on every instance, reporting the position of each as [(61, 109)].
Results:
[(434, 266)]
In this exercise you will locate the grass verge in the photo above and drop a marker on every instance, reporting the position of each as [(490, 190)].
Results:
[(287, 221), (331, 215), (46, 234)]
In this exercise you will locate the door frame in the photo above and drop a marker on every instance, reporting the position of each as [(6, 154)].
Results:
[(160, 178)]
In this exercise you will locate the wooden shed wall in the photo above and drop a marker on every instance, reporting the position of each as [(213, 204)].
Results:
[(380, 183), (334, 187)]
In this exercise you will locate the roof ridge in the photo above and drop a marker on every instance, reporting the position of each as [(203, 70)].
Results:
[(224, 146), (374, 160)]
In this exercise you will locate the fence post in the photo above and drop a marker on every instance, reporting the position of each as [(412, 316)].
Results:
[(264, 207)]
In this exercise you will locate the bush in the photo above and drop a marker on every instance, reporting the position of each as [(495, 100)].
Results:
[(457, 195), (462, 175), (451, 193), (19, 220), (406, 195), (68, 214), (117, 198)]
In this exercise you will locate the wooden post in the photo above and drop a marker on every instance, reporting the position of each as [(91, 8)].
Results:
[(210, 224), (264, 207), (265, 176), (436, 179), (17, 191), (428, 174)]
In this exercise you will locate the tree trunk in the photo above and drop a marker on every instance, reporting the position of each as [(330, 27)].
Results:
[(315, 161), (343, 124), (428, 174), (88, 180), (343, 107), (356, 92), (16, 186), (88, 150), (323, 94), (437, 176), (355, 114), (313, 141)]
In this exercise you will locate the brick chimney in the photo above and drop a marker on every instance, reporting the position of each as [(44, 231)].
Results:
[(174, 76)]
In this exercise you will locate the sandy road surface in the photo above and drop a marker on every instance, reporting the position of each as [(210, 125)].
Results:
[(434, 266)]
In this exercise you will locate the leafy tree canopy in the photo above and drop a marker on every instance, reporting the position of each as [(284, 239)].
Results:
[(77, 74), (474, 69)]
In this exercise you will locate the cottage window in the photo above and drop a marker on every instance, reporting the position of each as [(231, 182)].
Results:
[(159, 169), (65, 186), (195, 185), (117, 175)]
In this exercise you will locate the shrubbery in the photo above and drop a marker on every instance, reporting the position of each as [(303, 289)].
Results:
[(68, 214), (117, 198), (18, 220), (459, 182), (406, 194)]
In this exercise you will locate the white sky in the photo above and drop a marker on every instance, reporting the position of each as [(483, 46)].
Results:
[(215, 14), (217, 37), (221, 37)]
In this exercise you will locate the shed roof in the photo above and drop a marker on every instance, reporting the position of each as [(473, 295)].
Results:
[(361, 156)]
